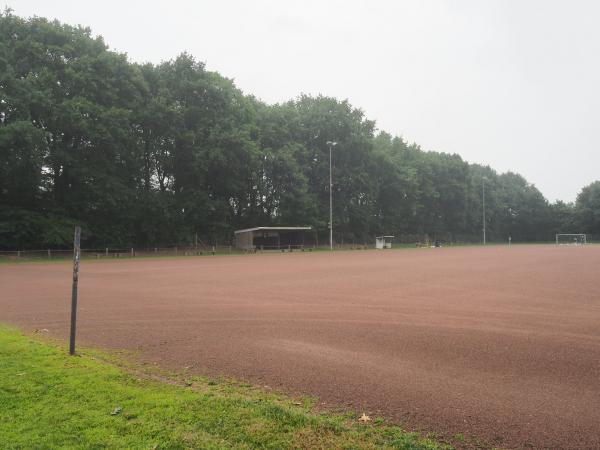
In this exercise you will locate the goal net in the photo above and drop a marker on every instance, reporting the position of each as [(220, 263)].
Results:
[(571, 239)]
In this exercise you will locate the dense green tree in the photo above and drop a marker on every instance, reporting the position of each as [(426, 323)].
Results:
[(588, 209), (150, 155), (77, 96), (563, 218)]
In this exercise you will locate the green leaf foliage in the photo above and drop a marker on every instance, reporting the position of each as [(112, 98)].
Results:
[(150, 155)]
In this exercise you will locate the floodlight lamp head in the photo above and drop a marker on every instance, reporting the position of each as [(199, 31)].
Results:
[(332, 143)]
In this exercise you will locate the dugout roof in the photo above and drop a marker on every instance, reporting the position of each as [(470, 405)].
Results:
[(272, 229)]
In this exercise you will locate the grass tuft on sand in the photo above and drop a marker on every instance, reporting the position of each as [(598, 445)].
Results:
[(51, 400)]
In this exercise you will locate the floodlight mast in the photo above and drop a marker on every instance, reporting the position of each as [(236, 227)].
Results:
[(483, 205), (330, 144)]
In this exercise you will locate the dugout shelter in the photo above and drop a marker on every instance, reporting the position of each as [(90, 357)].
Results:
[(270, 238)]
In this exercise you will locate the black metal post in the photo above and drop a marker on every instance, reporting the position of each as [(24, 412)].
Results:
[(76, 252)]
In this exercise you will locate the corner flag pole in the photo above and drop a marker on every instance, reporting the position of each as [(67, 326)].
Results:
[(76, 254)]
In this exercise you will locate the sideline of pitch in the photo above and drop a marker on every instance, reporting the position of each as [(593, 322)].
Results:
[(96, 399)]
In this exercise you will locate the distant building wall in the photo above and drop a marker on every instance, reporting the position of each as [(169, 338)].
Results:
[(244, 240)]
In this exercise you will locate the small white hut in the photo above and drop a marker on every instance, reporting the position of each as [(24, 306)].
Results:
[(382, 242)]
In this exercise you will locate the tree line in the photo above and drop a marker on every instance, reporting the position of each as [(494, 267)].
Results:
[(148, 155)]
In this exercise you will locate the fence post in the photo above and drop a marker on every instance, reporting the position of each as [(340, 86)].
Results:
[(19, 254), (76, 250), (132, 252), (49, 254), (106, 251), (213, 249)]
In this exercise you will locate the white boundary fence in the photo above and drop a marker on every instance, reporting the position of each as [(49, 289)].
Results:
[(109, 253), (117, 252)]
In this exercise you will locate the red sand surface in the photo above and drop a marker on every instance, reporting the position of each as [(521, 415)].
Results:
[(498, 343)]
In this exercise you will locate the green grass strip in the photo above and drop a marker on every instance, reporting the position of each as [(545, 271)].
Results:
[(49, 400)]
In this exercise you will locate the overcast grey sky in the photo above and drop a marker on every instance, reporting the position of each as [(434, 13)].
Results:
[(513, 84)]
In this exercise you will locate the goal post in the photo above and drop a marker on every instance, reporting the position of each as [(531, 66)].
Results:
[(571, 239)]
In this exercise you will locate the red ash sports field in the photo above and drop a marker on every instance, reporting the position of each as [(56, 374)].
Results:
[(501, 343)]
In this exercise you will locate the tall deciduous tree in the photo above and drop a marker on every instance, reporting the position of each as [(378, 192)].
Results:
[(150, 155)]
